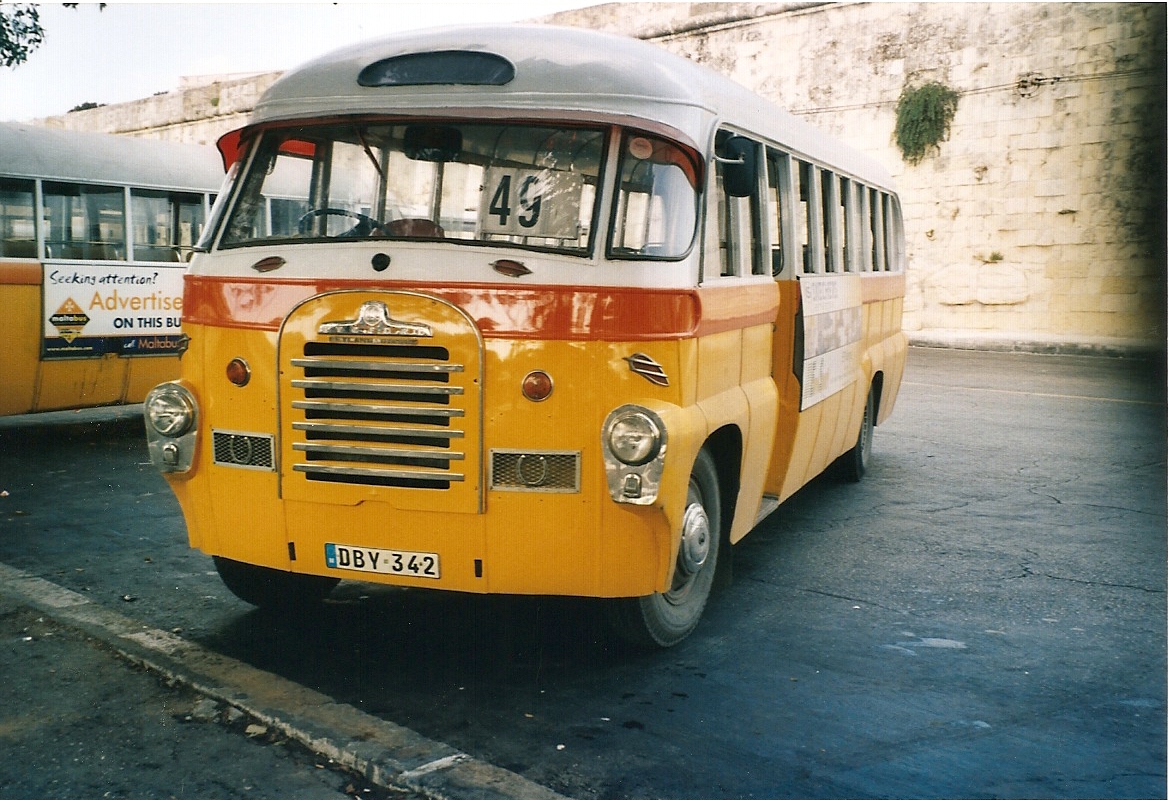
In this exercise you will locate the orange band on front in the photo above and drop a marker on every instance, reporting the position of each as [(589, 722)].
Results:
[(547, 312)]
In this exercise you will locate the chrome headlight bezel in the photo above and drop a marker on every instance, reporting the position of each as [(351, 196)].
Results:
[(169, 410), (171, 416), (634, 437), (634, 441)]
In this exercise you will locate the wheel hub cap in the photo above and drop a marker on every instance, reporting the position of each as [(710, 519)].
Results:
[(695, 539)]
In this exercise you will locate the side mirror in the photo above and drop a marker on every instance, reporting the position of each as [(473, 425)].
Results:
[(739, 160)]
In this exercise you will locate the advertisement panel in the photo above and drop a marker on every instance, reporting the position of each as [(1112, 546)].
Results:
[(91, 310), (832, 329)]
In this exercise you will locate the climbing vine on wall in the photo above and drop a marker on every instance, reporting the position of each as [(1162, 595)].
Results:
[(923, 116)]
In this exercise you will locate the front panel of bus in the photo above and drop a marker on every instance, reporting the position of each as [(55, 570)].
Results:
[(461, 355)]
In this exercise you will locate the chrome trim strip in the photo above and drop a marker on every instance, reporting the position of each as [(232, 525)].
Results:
[(382, 388), (382, 411), (375, 366), (360, 431), (379, 473), (379, 452)]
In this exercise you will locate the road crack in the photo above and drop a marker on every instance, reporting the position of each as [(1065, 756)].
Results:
[(1027, 572)]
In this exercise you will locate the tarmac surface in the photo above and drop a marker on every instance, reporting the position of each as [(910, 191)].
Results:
[(984, 616), (132, 734), (151, 725)]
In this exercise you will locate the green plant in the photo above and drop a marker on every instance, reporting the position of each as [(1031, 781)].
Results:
[(923, 116), (84, 107)]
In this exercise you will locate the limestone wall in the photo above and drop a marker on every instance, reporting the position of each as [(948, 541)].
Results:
[(1039, 223), (197, 114), (1041, 219)]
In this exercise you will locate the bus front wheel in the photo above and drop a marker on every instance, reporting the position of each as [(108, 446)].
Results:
[(272, 588), (665, 618)]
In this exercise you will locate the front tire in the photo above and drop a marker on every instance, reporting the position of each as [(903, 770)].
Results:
[(272, 588), (665, 618)]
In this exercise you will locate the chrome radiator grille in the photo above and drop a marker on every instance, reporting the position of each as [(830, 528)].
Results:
[(380, 415)]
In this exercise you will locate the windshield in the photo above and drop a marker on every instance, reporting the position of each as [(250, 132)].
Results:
[(525, 185)]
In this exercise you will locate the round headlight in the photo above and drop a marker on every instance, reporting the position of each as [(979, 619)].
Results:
[(634, 438), (170, 410)]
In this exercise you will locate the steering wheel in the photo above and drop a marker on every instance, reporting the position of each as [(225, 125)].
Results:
[(366, 226)]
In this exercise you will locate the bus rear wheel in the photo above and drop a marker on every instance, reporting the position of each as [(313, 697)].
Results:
[(272, 588), (852, 466), (665, 618)]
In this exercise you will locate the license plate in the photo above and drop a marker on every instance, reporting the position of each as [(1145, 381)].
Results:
[(383, 562)]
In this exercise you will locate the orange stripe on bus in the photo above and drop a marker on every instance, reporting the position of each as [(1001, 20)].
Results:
[(876, 286), (731, 307), (505, 312), (20, 273)]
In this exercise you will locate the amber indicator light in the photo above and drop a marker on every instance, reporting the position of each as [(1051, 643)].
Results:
[(238, 372), (537, 385)]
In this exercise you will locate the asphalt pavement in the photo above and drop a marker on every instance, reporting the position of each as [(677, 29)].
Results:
[(984, 616), (138, 732)]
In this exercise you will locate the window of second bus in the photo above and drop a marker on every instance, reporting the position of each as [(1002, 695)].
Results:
[(17, 215), (84, 222), (166, 224)]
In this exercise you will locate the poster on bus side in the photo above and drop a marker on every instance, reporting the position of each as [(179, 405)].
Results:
[(92, 310), (832, 329)]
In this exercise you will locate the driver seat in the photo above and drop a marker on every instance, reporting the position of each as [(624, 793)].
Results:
[(415, 228)]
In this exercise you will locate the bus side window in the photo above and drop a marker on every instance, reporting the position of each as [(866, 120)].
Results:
[(863, 216), (778, 178), (833, 233), (811, 215), (739, 217), (876, 202), (851, 235), (85, 222), (893, 235), (17, 228)]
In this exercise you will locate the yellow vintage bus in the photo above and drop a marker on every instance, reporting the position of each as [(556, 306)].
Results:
[(524, 310), (94, 235)]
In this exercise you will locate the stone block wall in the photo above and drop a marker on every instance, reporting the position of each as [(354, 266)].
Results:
[(197, 114), (1038, 224), (1040, 220)]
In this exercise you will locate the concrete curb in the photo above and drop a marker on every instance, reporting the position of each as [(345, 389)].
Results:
[(385, 754), (1028, 343)]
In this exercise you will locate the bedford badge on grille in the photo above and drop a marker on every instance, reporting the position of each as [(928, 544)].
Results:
[(373, 319)]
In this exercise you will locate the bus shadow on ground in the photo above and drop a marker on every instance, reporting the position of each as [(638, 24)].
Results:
[(366, 639)]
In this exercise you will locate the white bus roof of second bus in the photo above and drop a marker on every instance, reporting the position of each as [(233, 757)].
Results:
[(577, 73), (56, 154)]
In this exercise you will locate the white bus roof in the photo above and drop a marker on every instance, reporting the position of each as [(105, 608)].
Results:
[(32, 151), (571, 73)]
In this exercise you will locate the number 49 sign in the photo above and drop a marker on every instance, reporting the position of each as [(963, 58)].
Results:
[(531, 202)]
